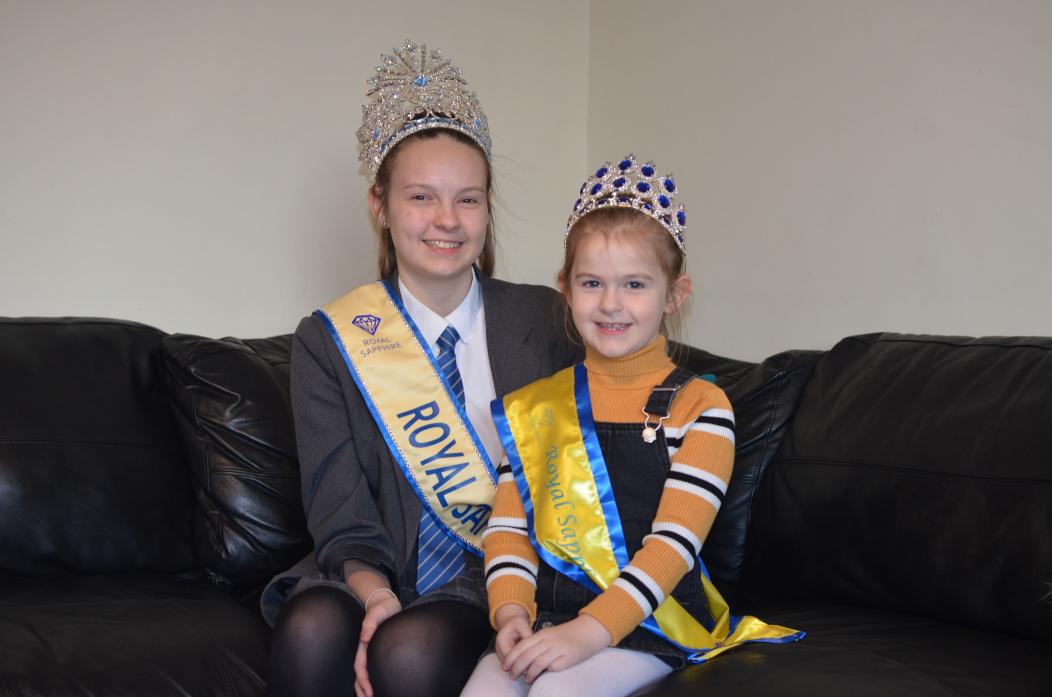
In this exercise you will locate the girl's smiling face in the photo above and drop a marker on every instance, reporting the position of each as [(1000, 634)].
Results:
[(436, 208), (618, 292)]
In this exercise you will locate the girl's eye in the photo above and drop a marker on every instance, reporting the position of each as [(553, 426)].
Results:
[(418, 197), (469, 200), (590, 283), (636, 285)]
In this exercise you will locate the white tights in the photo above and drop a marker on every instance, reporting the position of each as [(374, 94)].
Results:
[(609, 673)]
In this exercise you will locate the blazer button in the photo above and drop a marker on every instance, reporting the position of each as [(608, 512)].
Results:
[(545, 625)]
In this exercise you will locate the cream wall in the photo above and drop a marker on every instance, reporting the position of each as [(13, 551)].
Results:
[(193, 165), (847, 166)]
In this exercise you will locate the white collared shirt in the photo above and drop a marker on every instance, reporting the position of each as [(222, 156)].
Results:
[(472, 351)]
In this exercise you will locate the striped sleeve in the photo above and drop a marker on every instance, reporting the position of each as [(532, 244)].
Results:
[(701, 451), (510, 560)]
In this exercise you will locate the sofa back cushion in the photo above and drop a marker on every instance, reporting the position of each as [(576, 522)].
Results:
[(91, 474), (231, 399), (917, 475), (763, 397)]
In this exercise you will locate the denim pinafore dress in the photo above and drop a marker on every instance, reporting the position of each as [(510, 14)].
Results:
[(637, 472)]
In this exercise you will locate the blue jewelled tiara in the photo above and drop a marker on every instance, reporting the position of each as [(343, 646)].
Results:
[(414, 90), (626, 184)]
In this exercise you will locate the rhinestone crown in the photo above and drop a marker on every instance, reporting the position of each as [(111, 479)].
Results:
[(414, 90), (626, 184)]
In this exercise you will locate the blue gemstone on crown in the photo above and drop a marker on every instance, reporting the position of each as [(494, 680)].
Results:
[(415, 89), (632, 186)]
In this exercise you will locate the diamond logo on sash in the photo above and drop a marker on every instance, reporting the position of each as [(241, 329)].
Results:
[(367, 323)]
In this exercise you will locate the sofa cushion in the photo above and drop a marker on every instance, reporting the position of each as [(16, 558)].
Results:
[(863, 652), (231, 398), (763, 397), (916, 475), (128, 635), (91, 474)]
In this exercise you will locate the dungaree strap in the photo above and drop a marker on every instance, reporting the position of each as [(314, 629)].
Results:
[(659, 404)]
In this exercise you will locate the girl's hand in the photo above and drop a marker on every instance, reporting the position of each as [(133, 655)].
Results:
[(513, 625), (556, 648), (380, 607)]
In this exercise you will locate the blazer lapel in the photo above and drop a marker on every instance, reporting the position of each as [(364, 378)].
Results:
[(511, 361)]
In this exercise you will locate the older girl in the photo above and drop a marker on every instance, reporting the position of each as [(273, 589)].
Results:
[(391, 389)]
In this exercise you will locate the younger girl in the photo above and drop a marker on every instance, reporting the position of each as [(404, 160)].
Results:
[(616, 469)]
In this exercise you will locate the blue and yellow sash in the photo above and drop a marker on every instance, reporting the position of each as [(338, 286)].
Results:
[(425, 427), (549, 437)]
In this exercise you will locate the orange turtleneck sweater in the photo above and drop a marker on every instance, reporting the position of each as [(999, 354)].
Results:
[(700, 437)]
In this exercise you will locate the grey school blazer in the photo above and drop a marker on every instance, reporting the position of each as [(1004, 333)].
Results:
[(356, 499)]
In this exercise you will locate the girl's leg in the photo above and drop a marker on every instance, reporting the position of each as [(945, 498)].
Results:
[(489, 680), (609, 673), (315, 639), (427, 650)]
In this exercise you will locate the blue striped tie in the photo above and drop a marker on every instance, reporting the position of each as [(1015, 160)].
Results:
[(439, 557)]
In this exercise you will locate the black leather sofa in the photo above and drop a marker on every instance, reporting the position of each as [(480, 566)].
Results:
[(892, 497)]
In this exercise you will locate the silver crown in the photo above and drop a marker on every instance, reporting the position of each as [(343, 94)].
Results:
[(414, 90), (625, 184)]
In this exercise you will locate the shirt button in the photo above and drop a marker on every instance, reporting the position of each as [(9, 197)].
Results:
[(545, 625)]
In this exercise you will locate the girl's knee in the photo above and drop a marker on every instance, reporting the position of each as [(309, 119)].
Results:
[(424, 652), (550, 684), (320, 612), (488, 680)]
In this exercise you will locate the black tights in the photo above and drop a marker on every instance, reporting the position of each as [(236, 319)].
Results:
[(426, 650)]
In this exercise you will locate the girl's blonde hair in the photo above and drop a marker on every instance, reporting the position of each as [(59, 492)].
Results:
[(387, 261), (618, 222)]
